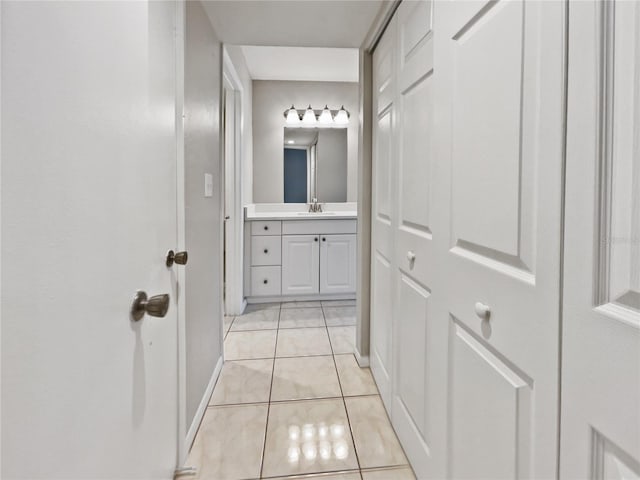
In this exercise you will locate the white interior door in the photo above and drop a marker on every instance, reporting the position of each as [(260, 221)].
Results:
[(88, 214), (418, 409), (499, 109), (230, 247), (300, 264), (383, 217), (601, 316)]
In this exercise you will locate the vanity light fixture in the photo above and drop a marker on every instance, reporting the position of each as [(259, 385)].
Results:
[(309, 117), (342, 117), (325, 117), (293, 118)]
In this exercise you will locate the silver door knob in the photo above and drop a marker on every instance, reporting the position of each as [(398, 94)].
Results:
[(156, 306), (483, 311), (180, 258)]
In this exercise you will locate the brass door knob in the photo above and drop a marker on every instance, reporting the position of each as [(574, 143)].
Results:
[(156, 306), (180, 258)]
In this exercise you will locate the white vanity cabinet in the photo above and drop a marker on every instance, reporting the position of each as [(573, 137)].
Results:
[(300, 259), (337, 263), (300, 264)]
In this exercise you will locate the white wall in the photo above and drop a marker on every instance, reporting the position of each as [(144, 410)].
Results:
[(203, 74), (270, 100), (239, 63)]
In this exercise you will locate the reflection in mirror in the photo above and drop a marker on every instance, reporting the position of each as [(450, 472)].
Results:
[(315, 165)]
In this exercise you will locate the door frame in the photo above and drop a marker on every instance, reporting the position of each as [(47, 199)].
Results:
[(234, 301), (183, 443)]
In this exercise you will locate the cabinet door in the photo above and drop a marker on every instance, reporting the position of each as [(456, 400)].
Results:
[(300, 264), (338, 264)]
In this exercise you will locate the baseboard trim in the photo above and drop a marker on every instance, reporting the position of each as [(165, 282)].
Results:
[(197, 419), (363, 360)]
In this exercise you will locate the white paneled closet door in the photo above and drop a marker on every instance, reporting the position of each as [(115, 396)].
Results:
[(383, 219), (499, 109), (418, 410), (601, 316)]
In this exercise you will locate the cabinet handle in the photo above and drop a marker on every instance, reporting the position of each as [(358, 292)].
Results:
[(265, 281), (315, 239), (324, 239), (266, 227), (266, 250)]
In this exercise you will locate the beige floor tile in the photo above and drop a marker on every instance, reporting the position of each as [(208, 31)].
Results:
[(301, 317), (343, 339), (308, 436), (248, 345), (353, 379), (301, 304), (375, 439), (264, 319), (228, 320), (297, 342), (324, 476), (243, 381), (340, 316), (304, 377), (338, 303), (402, 473), (229, 443)]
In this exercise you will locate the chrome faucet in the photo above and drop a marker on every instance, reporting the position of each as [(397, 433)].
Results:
[(314, 206)]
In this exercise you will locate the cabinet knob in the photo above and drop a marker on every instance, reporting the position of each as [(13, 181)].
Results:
[(324, 239), (483, 311), (315, 239), (411, 256), (265, 281), (266, 250), (266, 227)]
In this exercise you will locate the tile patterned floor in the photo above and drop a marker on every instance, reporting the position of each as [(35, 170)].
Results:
[(292, 403)]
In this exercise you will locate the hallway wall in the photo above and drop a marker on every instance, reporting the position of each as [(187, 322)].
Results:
[(270, 100), (203, 73), (240, 64)]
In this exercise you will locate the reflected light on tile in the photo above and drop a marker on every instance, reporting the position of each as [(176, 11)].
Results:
[(325, 450), (312, 440), (293, 454), (337, 431), (341, 449), (309, 450), (294, 432), (308, 431)]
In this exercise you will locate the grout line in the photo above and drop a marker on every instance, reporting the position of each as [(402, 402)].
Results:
[(291, 400), (266, 427), (344, 403)]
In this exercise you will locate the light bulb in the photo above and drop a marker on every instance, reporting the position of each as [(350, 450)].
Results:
[(292, 116), (309, 117), (342, 117), (325, 117)]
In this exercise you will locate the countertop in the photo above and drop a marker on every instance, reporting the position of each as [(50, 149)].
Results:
[(300, 211)]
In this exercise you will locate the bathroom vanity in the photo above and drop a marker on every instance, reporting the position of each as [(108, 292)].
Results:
[(293, 254)]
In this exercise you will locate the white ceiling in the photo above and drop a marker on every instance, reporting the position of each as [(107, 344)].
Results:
[(302, 63), (300, 23)]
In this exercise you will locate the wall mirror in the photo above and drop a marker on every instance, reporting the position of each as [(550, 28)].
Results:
[(315, 165)]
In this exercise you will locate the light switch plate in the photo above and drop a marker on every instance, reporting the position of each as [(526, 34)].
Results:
[(208, 185)]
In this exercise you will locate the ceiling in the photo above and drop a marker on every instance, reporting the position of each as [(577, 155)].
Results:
[(300, 23), (302, 63), (300, 136)]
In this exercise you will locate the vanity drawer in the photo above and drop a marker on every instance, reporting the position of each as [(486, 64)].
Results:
[(266, 250), (268, 227), (265, 281)]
